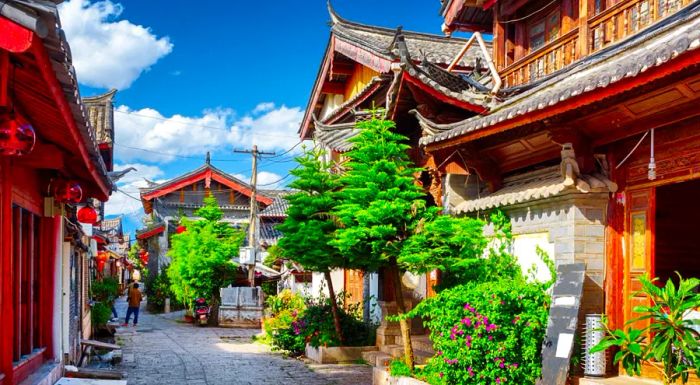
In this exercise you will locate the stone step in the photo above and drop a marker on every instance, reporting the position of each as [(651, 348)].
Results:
[(396, 351), (419, 342)]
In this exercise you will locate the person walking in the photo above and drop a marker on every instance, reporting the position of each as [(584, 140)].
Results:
[(134, 298)]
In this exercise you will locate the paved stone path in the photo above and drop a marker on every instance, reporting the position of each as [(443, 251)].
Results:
[(163, 351)]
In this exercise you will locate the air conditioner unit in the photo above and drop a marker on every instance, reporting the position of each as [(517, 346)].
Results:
[(247, 255)]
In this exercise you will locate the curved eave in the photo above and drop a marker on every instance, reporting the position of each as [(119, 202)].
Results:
[(469, 101), (348, 106), (654, 58)]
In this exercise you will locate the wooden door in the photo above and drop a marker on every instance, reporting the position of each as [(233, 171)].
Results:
[(353, 286), (432, 279), (640, 256)]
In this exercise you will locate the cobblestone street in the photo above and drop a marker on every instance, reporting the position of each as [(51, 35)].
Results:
[(164, 351)]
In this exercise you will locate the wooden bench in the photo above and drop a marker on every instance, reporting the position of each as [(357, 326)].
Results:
[(88, 345)]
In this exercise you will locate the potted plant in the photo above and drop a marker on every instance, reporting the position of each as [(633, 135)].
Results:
[(670, 341)]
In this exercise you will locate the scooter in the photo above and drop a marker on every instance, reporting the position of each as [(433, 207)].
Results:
[(201, 312)]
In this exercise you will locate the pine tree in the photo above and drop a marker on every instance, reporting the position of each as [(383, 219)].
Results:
[(309, 228), (381, 206)]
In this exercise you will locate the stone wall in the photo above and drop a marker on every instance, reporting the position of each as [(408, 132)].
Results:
[(575, 224)]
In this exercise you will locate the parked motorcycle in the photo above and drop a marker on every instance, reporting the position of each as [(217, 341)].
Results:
[(202, 310)]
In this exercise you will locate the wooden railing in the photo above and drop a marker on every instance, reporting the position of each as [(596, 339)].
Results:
[(609, 26), (553, 56), (627, 18)]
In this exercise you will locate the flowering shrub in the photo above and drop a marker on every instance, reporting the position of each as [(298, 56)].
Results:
[(282, 325), (486, 333), (318, 330)]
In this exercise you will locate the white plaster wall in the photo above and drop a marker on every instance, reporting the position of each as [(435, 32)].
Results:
[(318, 282)]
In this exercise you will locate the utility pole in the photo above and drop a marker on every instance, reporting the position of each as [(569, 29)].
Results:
[(252, 227)]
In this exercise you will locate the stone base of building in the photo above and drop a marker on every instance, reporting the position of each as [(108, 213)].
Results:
[(47, 374), (336, 354)]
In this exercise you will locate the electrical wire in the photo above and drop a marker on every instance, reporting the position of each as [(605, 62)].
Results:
[(197, 125), (633, 150), (284, 153), (528, 16)]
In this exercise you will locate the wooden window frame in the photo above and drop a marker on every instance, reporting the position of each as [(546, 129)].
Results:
[(547, 28)]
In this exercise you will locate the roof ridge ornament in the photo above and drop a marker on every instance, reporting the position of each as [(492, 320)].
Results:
[(335, 19)]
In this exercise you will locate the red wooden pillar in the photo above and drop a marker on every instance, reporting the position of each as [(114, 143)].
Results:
[(6, 308)]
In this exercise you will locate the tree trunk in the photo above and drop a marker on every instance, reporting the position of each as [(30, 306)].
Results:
[(334, 307), (403, 323)]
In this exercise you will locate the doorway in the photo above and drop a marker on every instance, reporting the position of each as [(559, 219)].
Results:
[(677, 231)]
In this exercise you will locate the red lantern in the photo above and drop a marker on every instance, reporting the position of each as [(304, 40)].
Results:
[(180, 229), (102, 258), (143, 256), (87, 215), (17, 137), (66, 191)]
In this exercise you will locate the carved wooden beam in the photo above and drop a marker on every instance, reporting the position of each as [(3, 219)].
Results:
[(467, 157)]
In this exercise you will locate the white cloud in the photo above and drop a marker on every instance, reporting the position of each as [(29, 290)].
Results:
[(147, 129), (109, 53), (263, 107), (126, 201), (276, 129)]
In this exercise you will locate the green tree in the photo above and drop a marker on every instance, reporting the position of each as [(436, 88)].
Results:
[(309, 228), (201, 257), (381, 206)]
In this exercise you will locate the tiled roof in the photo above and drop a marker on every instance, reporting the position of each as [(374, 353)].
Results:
[(107, 224), (336, 136), (278, 208), (435, 48), (61, 61), (626, 59), (101, 116), (268, 233), (545, 183)]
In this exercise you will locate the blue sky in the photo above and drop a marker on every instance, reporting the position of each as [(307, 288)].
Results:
[(210, 76)]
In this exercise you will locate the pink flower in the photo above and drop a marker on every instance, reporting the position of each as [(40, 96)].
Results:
[(471, 371)]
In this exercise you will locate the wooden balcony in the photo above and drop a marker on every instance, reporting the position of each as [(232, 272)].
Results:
[(600, 30)]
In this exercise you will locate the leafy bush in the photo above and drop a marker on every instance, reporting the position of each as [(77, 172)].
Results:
[(294, 322), (100, 314), (674, 351), (316, 326), (486, 333), (106, 289), (158, 289), (285, 310)]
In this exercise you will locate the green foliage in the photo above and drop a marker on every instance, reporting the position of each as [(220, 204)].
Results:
[(285, 309), (105, 290), (273, 254), (201, 257), (486, 332), (318, 330), (295, 321), (158, 289), (100, 313), (133, 257), (398, 368), (380, 203), (309, 229), (674, 349)]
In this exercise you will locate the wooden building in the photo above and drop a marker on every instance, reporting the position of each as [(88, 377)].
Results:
[(593, 143), (400, 73), (50, 164), (182, 196)]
